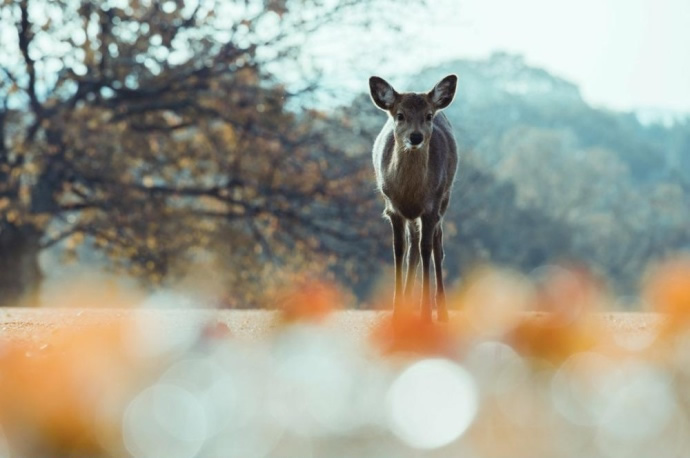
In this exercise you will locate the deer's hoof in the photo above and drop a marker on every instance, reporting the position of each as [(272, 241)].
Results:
[(443, 315)]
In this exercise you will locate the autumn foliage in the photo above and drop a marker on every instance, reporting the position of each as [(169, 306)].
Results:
[(528, 352), (161, 138), (67, 389), (667, 291)]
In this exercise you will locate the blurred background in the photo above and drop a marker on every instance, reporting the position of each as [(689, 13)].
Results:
[(227, 144), (218, 153)]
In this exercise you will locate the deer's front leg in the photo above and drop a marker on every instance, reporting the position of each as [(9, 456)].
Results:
[(441, 309), (429, 224), (398, 225)]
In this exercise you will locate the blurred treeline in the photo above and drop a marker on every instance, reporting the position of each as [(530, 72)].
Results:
[(550, 178), (546, 178), (169, 139)]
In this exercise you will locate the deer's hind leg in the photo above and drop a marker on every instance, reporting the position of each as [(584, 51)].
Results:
[(413, 238), (429, 225), (441, 310)]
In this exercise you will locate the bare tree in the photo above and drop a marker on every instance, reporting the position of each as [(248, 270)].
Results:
[(160, 131)]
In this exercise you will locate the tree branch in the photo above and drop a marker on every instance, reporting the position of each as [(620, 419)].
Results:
[(25, 36)]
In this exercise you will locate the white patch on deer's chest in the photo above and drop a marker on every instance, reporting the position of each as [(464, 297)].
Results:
[(404, 182)]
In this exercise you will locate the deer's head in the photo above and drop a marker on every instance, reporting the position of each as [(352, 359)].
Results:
[(413, 112)]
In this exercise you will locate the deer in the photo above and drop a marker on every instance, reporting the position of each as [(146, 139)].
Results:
[(415, 159)]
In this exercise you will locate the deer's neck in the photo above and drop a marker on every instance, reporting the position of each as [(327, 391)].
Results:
[(410, 165)]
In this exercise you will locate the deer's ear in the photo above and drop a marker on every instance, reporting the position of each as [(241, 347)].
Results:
[(382, 94), (442, 94)]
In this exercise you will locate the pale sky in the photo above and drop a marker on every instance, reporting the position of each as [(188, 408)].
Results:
[(623, 54)]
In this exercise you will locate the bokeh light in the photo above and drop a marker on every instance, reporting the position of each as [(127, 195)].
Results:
[(543, 381), (165, 420), (432, 403)]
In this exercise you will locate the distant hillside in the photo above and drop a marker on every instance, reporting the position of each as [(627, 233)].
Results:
[(546, 177), (499, 93)]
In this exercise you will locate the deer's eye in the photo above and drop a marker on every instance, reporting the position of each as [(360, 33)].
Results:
[(429, 117), (400, 117)]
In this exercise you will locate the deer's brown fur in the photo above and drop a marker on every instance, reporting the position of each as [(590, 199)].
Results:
[(415, 158)]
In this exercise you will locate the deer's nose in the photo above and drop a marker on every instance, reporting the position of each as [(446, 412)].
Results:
[(416, 138)]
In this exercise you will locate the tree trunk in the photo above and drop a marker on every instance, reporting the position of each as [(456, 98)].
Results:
[(20, 273)]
